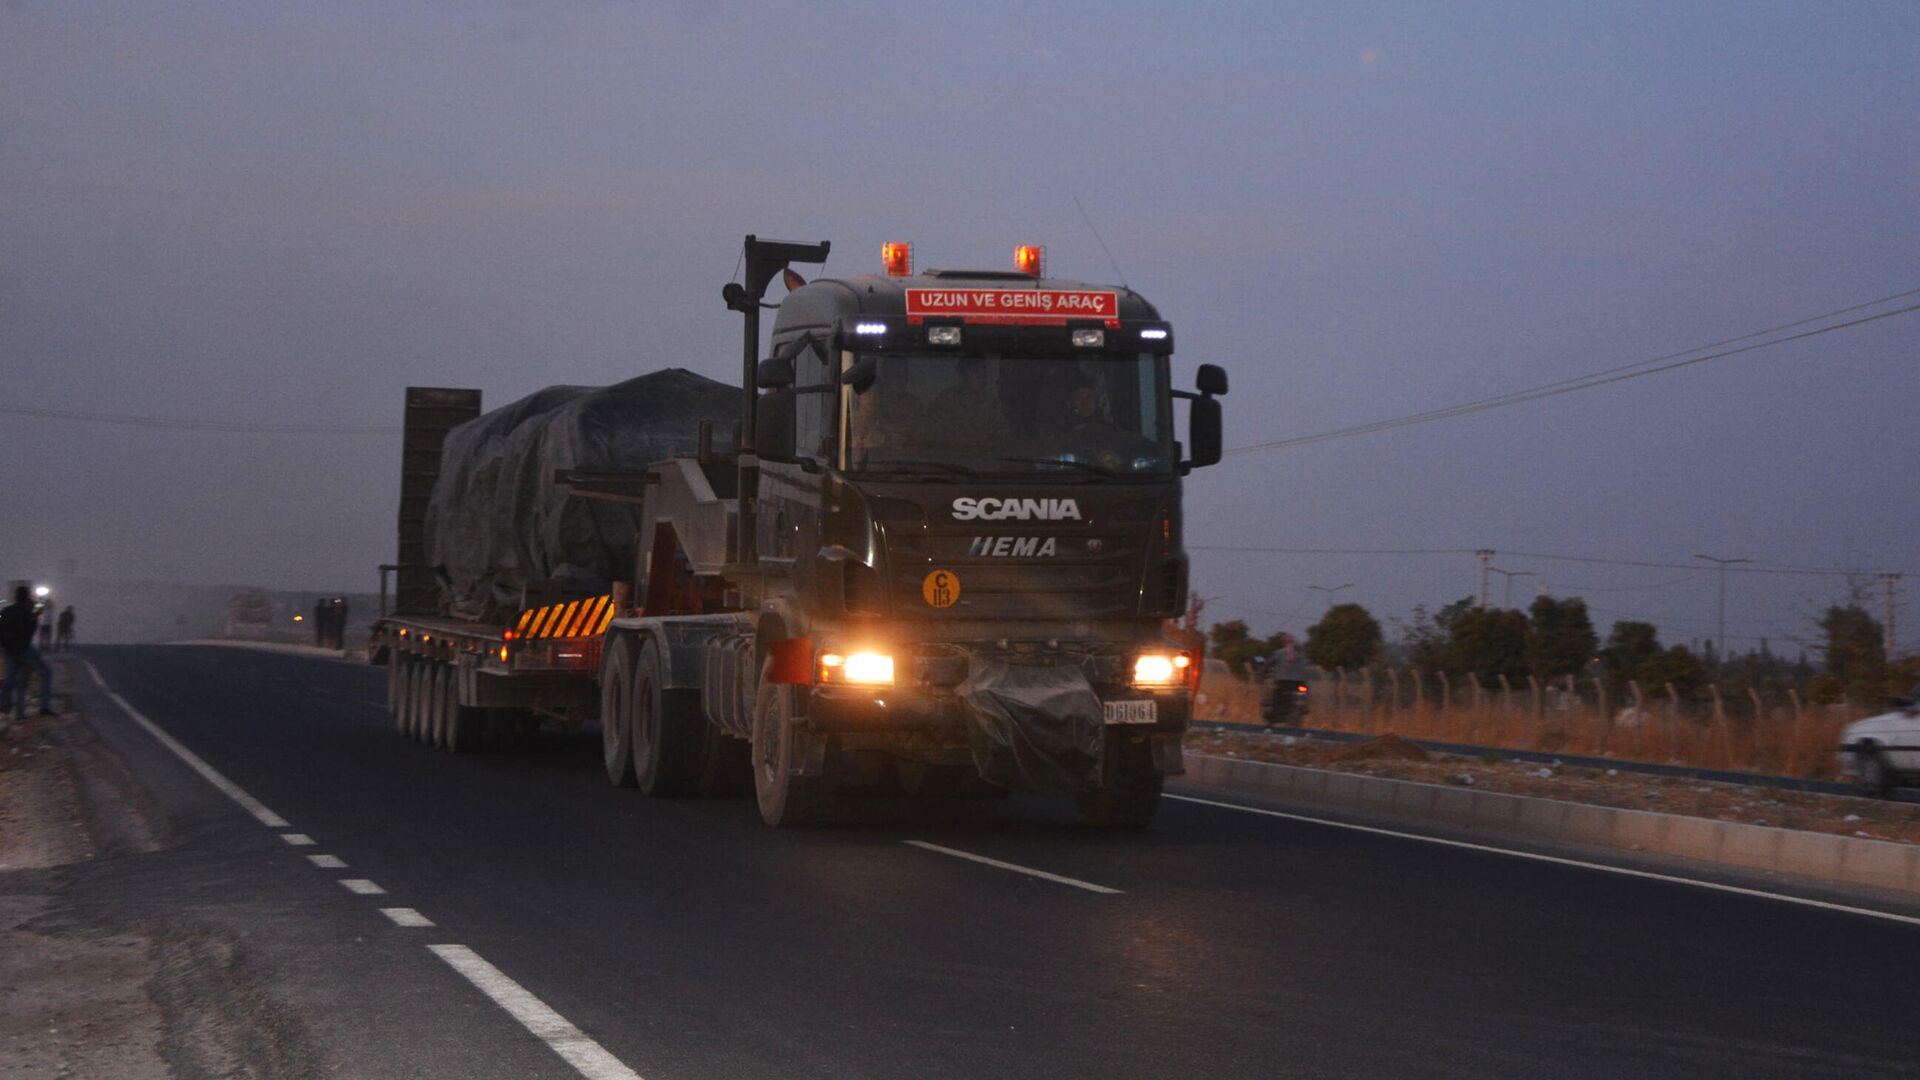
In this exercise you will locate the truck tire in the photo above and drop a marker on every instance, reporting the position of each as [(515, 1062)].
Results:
[(1130, 789), (400, 691), (616, 719), (670, 741), (396, 686), (420, 714), (463, 722), (444, 702), (785, 799)]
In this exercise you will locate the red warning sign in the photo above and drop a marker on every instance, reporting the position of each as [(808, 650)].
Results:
[(1025, 306)]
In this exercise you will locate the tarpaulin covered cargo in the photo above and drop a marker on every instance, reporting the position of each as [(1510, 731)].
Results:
[(1032, 727), (498, 524)]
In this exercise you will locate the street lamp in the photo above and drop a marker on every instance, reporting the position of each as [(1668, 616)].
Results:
[(1720, 635), (1330, 590)]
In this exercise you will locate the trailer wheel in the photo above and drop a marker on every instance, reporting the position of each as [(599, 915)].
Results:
[(670, 741), (785, 799), (616, 718), (463, 734), (420, 697), (400, 690), (1129, 792), (446, 700), (396, 687)]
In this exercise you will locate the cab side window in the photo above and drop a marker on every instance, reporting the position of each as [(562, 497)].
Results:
[(813, 422)]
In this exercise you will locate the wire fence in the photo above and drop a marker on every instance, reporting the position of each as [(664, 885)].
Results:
[(1716, 727)]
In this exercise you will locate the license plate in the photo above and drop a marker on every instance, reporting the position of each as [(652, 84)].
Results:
[(1130, 712)]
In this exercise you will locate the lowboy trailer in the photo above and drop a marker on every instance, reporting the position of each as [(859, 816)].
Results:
[(943, 553)]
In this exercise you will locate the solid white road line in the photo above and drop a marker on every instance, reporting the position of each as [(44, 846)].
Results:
[(572, 1044), (328, 862), (1623, 871), (405, 916), (1015, 867), (588, 1057), (207, 772)]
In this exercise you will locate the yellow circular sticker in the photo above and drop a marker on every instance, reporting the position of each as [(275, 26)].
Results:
[(941, 588)]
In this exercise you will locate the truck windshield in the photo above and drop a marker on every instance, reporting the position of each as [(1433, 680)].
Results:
[(990, 413)]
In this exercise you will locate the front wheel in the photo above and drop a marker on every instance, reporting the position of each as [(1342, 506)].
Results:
[(1129, 792), (785, 799)]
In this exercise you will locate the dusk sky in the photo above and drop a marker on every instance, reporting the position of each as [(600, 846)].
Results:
[(283, 214)]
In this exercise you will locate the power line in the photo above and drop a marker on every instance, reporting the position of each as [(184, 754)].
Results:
[(1653, 366), (176, 424), (1791, 571)]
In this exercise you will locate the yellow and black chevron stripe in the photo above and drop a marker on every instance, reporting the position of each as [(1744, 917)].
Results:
[(575, 618)]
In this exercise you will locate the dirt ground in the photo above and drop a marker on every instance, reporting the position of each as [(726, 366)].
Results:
[(73, 1001), (1397, 759)]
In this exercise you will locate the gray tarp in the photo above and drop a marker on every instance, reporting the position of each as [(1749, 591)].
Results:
[(1032, 727), (497, 522)]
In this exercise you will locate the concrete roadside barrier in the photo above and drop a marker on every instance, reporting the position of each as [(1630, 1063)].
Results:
[(1824, 856)]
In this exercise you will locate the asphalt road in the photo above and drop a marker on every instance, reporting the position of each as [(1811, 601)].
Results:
[(688, 941)]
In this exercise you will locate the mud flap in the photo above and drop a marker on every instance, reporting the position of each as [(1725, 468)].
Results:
[(1167, 758), (1033, 728)]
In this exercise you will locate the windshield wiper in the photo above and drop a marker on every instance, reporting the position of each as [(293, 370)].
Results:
[(918, 463), (1073, 463)]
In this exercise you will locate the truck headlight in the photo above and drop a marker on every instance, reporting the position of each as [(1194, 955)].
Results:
[(856, 669), (1160, 669)]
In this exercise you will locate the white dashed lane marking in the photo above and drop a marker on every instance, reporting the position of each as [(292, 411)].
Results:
[(587, 1057), (405, 916), (572, 1044), (1015, 867)]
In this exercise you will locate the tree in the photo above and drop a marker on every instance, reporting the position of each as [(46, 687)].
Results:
[(1426, 640), (1560, 638), (1855, 654), (1677, 665), (1629, 645), (1234, 645), (1488, 643), (1346, 637)]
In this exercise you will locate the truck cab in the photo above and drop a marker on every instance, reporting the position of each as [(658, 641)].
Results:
[(966, 529)]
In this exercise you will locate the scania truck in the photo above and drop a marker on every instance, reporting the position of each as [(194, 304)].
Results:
[(943, 551)]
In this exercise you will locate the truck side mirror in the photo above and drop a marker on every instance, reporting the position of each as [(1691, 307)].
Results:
[(773, 425), (861, 374), (775, 372), (1203, 431), (1211, 379)]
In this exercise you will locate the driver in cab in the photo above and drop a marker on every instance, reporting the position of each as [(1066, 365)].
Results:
[(882, 419)]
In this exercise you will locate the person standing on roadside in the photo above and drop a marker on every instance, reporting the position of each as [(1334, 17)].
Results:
[(18, 621), (63, 640)]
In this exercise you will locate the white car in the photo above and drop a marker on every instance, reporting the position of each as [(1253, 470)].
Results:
[(1882, 752)]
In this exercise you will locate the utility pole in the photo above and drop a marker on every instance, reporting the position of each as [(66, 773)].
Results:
[(1720, 636), (1485, 555), (1330, 590), (1891, 581), (1510, 575)]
